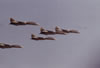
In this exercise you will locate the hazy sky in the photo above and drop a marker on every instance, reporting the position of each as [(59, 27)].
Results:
[(68, 51)]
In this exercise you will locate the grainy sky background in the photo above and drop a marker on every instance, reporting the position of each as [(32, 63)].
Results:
[(68, 51)]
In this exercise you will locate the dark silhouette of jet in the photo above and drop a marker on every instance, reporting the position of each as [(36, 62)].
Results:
[(57, 29), (17, 23), (34, 37), (46, 32), (3, 46)]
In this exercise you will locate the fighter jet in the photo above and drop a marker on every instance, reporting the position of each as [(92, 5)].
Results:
[(34, 37), (17, 23), (65, 30), (59, 31), (3, 46), (46, 32)]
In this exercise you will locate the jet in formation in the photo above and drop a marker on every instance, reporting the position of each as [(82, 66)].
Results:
[(3, 46), (46, 32), (17, 23), (34, 37), (58, 29)]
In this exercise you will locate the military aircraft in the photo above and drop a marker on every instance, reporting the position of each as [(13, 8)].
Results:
[(34, 37), (57, 29), (17, 23), (3, 46), (46, 32)]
